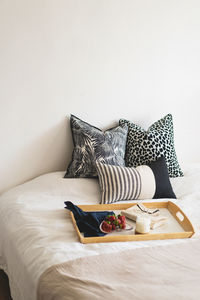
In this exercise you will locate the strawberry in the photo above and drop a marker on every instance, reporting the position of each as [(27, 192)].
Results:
[(123, 225), (113, 222), (122, 218), (106, 227), (113, 227), (112, 218)]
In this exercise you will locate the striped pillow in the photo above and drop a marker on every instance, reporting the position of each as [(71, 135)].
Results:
[(119, 183)]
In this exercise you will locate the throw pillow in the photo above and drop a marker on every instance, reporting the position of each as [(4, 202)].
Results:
[(91, 143), (143, 182), (144, 146)]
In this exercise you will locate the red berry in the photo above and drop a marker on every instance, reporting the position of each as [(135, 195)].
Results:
[(113, 227), (122, 218), (111, 218), (106, 227)]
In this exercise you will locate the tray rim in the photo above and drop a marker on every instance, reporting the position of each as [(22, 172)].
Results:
[(171, 206)]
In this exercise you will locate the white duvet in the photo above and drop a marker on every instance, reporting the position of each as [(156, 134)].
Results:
[(36, 231)]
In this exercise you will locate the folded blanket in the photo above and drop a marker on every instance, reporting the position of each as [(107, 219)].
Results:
[(140, 210), (88, 222)]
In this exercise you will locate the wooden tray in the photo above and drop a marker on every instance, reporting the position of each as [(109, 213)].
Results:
[(179, 219)]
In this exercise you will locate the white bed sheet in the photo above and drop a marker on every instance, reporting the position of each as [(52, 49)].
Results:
[(36, 231)]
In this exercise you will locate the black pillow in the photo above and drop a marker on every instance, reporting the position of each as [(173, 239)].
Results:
[(91, 143), (163, 185)]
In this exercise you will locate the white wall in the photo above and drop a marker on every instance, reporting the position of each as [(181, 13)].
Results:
[(100, 60)]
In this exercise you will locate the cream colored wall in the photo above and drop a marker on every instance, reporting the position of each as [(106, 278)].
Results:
[(100, 60)]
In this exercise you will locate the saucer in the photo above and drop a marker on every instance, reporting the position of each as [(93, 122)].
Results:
[(128, 227)]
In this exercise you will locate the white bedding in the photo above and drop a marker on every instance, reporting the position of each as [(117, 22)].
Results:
[(36, 231)]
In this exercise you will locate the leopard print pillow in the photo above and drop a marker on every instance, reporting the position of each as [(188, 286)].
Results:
[(144, 146)]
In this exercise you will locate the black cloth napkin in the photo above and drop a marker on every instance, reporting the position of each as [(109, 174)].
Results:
[(88, 222)]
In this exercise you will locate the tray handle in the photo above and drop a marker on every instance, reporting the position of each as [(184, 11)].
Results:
[(180, 216)]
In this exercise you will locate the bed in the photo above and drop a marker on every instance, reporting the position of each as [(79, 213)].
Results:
[(36, 233)]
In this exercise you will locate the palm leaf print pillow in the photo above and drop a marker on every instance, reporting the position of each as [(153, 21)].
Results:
[(91, 144)]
